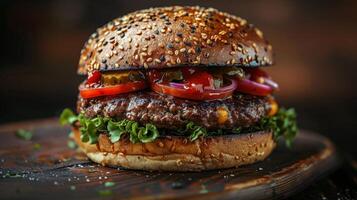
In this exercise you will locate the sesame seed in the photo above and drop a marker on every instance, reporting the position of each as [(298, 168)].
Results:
[(162, 58), (145, 65), (170, 45), (139, 33), (157, 60), (204, 35), (176, 52), (188, 43), (149, 60), (222, 32), (182, 50)]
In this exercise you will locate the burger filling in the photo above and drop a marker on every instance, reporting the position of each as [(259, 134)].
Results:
[(189, 101)]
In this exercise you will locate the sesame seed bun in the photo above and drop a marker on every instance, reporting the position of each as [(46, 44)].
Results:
[(175, 153), (175, 36)]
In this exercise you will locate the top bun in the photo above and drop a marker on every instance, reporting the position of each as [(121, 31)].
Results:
[(175, 36)]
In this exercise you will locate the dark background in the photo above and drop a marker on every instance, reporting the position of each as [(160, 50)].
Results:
[(315, 43)]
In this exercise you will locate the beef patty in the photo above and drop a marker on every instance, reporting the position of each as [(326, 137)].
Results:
[(172, 113)]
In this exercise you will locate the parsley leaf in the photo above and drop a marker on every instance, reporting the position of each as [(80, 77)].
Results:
[(109, 184), (67, 117), (71, 144), (105, 192), (37, 146), (24, 134)]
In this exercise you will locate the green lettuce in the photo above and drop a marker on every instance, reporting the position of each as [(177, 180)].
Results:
[(91, 127), (283, 124)]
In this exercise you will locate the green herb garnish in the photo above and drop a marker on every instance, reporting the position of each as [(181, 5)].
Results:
[(109, 184), (71, 144), (282, 124), (67, 117), (24, 134), (37, 146), (12, 175), (105, 192), (72, 187)]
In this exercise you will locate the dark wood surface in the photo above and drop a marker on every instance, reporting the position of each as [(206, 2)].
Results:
[(45, 168)]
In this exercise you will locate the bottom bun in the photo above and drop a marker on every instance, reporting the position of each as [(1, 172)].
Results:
[(177, 153)]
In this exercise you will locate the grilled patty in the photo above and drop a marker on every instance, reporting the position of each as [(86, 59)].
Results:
[(172, 113)]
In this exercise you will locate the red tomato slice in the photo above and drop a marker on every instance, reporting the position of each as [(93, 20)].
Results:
[(94, 77), (253, 88), (189, 92), (112, 90), (201, 78)]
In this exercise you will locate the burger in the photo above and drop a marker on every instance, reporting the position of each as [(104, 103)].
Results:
[(177, 89)]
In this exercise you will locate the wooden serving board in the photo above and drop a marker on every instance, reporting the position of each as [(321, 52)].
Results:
[(46, 168)]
